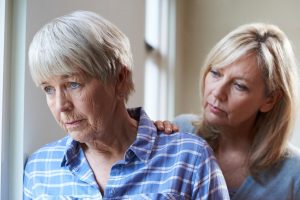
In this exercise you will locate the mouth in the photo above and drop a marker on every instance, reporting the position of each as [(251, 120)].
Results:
[(73, 124), (215, 109)]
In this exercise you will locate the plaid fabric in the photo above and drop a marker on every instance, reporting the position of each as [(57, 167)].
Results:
[(155, 166)]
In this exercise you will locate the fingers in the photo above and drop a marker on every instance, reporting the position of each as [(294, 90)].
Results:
[(168, 126), (159, 125), (175, 128)]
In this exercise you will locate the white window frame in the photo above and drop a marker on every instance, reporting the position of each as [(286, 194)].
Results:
[(12, 64), (3, 136), (160, 35)]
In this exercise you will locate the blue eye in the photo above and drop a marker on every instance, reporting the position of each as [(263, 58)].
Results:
[(240, 87), (74, 85), (49, 90), (215, 73)]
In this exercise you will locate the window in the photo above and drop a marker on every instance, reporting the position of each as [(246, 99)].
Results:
[(12, 72), (159, 65), (3, 166)]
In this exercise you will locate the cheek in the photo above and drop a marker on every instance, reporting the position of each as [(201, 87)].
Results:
[(88, 102), (51, 105), (87, 105), (206, 90), (208, 84), (241, 108)]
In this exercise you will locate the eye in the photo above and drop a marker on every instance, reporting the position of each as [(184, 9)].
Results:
[(215, 73), (74, 85), (49, 89), (240, 86)]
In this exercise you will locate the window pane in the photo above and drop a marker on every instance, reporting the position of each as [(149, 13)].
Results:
[(152, 23)]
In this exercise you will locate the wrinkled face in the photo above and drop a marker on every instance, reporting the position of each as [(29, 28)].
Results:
[(81, 105), (233, 95)]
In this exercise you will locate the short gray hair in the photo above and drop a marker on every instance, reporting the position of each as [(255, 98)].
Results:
[(84, 41)]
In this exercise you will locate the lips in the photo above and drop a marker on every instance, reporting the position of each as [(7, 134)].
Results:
[(215, 110), (73, 124)]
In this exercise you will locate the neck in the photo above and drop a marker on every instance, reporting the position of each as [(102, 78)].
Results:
[(116, 136), (235, 138)]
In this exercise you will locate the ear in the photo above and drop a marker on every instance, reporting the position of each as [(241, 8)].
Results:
[(121, 83), (271, 100)]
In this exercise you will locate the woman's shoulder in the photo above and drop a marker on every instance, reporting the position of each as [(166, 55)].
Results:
[(290, 164), (48, 151), (185, 122), (293, 156)]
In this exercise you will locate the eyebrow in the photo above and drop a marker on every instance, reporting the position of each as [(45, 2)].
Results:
[(63, 77)]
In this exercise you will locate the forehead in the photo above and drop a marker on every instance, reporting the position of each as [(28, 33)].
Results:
[(244, 68), (246, 65), (79, 76)]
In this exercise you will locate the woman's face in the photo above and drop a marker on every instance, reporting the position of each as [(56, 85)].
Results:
[(81, 105), (233, 95)]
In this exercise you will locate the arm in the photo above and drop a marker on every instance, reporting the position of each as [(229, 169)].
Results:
[(27, 191), (209, 179)]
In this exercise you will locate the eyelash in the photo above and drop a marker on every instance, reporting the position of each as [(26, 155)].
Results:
[(74, 85), (214, 73), (70, 85), (238, 86), (241, 87), (49, 90)]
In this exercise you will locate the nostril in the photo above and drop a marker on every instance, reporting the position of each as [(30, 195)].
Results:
[(65, 106), (63, 103), (220, 93)]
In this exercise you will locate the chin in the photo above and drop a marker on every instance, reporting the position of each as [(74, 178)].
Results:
[(215, 121), (78, 136)]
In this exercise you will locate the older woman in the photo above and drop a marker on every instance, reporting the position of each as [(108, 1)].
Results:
[(83, 64), (249, 95)]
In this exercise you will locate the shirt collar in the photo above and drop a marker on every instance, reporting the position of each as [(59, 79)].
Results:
[(71, 152), (146, 135)]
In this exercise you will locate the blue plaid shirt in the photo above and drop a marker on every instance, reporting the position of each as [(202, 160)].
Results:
[(155, 166)]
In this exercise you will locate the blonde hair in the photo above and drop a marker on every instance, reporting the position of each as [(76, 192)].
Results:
[(276, 60), (80, 41)]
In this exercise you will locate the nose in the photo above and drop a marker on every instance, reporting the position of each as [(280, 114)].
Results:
[(220, 91), (63, 101)]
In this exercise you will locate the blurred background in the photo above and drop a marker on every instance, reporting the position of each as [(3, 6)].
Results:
[(169, 39)]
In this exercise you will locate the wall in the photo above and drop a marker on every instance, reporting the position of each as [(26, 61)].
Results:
[(40, 127), (202, 23)]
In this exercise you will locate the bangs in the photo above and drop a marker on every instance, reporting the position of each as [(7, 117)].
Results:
[(46, 64), (45, 71), (230, 52), (50, 56)]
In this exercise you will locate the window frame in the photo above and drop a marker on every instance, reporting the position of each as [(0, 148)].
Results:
[(160, 38), (3, 136), (13, 57)]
